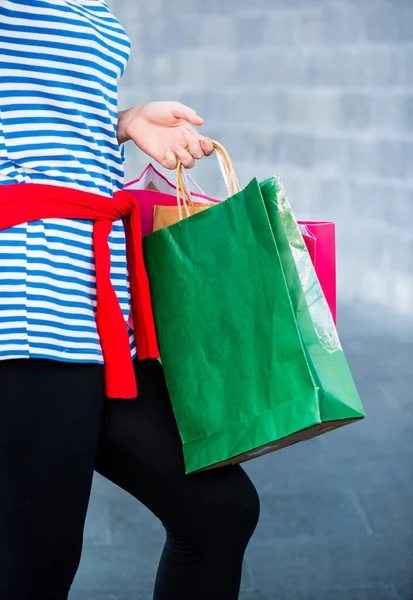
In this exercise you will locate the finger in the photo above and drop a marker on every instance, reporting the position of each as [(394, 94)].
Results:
[(169, 162), (181, 111), (194, 143), (207, 146), (185, 157)]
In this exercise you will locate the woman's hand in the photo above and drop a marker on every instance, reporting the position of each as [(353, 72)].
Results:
[(163, 130)]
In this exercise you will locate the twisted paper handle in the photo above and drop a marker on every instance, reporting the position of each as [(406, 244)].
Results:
[(183, 195)]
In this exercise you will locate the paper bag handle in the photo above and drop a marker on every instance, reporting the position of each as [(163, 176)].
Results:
[(183, 195)]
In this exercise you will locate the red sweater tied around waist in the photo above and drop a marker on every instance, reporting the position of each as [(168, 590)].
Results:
[(23, 203)]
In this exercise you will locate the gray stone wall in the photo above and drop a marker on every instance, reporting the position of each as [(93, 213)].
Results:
[(320, 92)]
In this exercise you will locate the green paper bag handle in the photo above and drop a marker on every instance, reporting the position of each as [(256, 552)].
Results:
[(183, 195)]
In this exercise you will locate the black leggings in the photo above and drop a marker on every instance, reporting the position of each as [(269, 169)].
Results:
[(55, 428)]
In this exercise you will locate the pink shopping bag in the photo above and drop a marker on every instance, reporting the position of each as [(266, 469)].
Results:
[(310, 242), (320, 239), (153, 189)]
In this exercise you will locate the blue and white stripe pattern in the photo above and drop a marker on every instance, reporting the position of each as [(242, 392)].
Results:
[(60, 63)]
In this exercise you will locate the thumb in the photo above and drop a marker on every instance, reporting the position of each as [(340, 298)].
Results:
[(180, 111)]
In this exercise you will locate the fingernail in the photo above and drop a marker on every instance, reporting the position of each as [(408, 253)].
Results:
[(179, 149)]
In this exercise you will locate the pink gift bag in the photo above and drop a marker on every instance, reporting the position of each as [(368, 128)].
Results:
[(153, 189), (310, 242), (320, 239)]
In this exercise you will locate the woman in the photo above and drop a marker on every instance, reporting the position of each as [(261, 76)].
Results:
[(61, 61)]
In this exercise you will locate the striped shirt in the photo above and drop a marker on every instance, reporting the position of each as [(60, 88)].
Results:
[(60, 64)]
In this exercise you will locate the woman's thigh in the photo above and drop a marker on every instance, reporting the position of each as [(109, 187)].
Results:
[(51, 415), (141, 451)]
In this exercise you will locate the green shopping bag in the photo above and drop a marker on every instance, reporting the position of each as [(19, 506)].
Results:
[(240, 379), (338, 397)]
